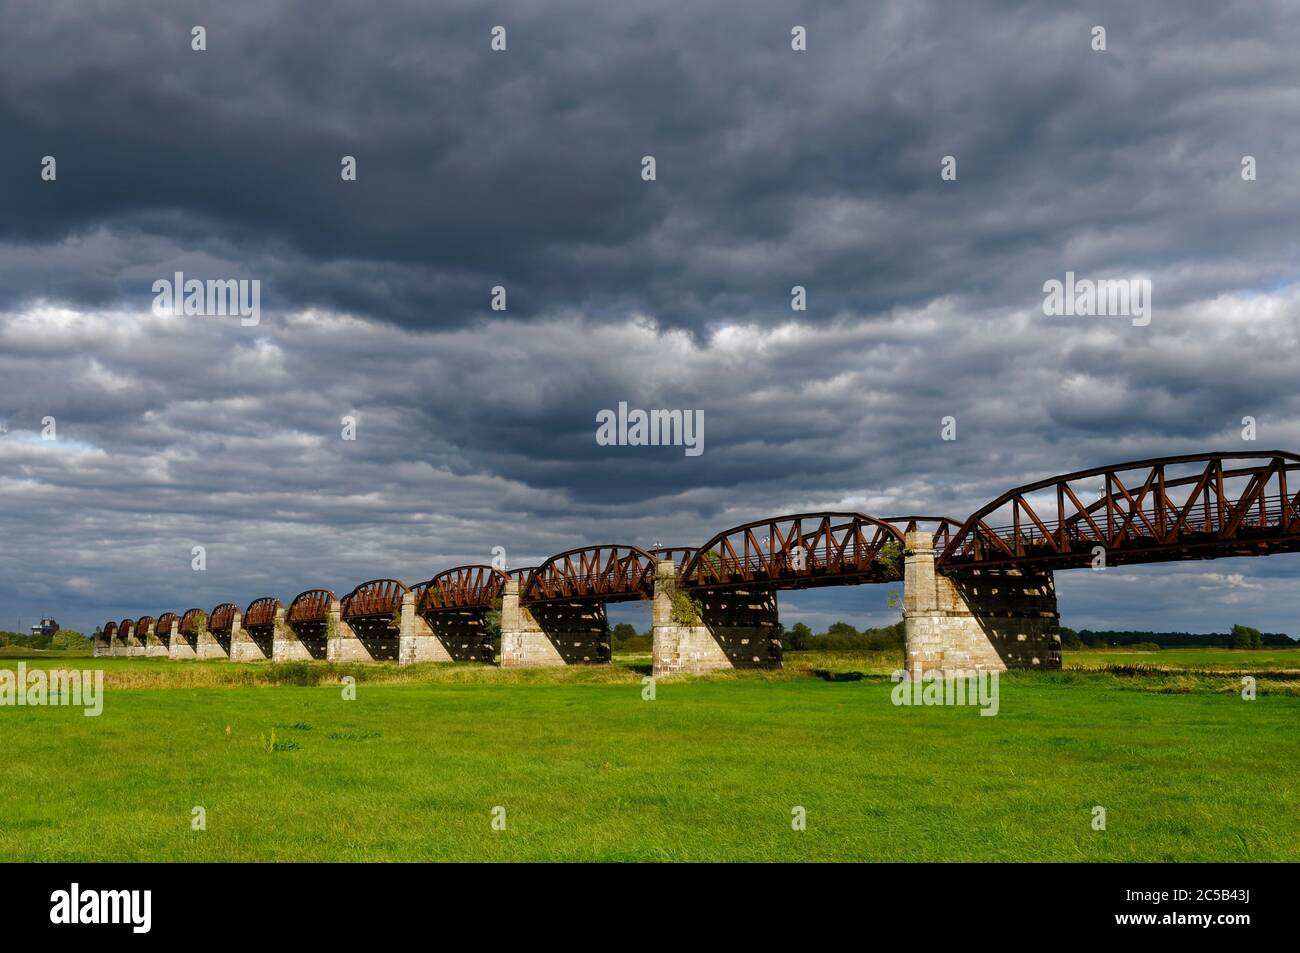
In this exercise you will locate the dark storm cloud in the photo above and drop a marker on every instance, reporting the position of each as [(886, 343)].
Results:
[(522, 169)]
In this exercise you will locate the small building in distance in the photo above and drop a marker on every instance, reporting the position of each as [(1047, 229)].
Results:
[(45, 627)]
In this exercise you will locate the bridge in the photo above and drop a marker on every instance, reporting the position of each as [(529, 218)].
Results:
[(978, 593)]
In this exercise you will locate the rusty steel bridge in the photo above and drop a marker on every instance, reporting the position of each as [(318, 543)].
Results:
[(1195, 506)]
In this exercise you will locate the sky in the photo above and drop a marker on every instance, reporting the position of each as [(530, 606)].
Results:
[(523, 169)]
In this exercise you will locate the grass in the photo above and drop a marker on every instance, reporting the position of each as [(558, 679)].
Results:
[(285, 769)]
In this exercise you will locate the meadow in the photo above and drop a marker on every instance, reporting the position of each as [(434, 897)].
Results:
[(713, 768)]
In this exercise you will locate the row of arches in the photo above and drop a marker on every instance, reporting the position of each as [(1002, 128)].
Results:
[(1195, 506)]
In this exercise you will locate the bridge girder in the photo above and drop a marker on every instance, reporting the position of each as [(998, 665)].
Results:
[(605, 573), (801, 551), (1193, 506)]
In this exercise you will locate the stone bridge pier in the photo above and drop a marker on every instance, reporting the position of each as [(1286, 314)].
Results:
[(298, 642), (552, 633), (733, 628), (155, 645), (977, 619)]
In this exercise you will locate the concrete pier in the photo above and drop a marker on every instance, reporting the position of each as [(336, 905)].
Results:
[(733, 628), (977, 620), (552, 634)]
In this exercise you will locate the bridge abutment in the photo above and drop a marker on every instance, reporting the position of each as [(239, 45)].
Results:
[(977, 619), (732, 628), (552, 634)]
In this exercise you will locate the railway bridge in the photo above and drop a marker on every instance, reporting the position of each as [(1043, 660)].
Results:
[(978, 594)]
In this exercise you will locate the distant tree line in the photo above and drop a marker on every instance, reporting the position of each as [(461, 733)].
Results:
[(63, 639), (1241, 637), (841, 636)]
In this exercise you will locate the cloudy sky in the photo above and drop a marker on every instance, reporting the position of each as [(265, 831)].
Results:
[(523, 168)]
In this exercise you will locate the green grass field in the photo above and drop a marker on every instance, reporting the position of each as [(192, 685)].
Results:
[(710, 770)]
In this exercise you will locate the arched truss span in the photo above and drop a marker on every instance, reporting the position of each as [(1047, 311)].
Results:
[(190, 621), (126, 628), (680, 555), (223, 617), (609, 573), (142, 625), (164, 624), (378, 597), (310, 606), (797, 552), (465, 587), (1196, 506), (110, 631), (261, 611), (521, 575)]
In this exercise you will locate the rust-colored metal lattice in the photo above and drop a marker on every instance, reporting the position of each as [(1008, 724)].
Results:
[(941, 528), (521, 576), (1197, 506), (261, 612), (310, 606), (142, 625), (796, 552), (164, 624), (110, 631), (378, 597), (680, 555), (223, 617), (465, 587), (190, 621), (609, 573)]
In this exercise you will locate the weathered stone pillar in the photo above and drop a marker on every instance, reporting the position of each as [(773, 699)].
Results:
[(976, 619), (732, 628), (418, 643), (134, 648), (556, 633), (102, 646), (362, 640), (166, 638), (182, 647), (298, 643), (253, 644), (213, 645), (154, 647)]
